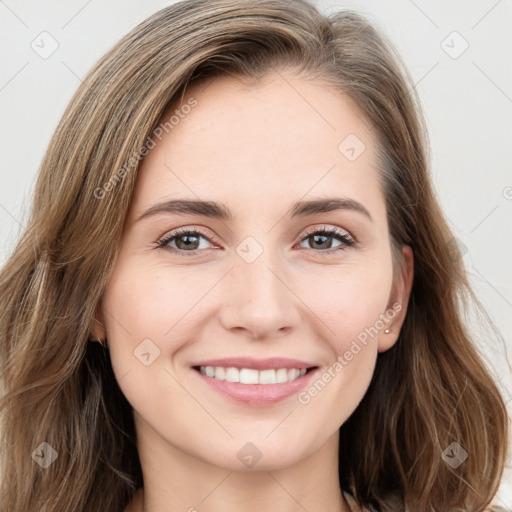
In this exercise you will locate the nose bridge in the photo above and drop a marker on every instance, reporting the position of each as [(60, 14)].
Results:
[(259, 299)]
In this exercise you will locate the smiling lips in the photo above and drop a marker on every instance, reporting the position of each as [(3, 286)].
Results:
[(256, 382)]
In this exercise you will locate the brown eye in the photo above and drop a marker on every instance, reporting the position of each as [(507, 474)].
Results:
[(322, 239), (185, 240)]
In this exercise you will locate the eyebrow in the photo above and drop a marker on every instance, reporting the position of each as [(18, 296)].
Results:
[(221, 211)]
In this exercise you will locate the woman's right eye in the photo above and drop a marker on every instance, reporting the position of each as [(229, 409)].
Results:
[(185, 240)]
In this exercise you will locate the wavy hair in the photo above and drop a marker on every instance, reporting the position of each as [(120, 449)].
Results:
[(428, 391)]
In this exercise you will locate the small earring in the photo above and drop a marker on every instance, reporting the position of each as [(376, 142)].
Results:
[(387, 331)]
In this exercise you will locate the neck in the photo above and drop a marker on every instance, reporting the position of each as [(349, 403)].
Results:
[(177, 481)]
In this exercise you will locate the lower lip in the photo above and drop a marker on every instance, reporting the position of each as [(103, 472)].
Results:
[(258, 395)]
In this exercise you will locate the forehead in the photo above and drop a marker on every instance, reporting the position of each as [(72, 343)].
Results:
[(276, 141)]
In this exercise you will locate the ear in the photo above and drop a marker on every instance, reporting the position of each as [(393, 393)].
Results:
[(398, 300), (96, 326)]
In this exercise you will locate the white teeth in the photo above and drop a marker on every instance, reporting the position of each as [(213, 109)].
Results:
[(281, 375), (267, 377), (252, 376), (220, 373), (293, 373), (249, 376), (232, 374)]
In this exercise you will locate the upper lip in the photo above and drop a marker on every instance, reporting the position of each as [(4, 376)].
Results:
[(257, 364)]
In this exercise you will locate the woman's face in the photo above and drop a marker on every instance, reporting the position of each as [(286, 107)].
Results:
[(257, 289)]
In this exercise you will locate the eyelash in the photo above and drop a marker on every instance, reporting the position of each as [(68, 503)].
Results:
[(328, 231)]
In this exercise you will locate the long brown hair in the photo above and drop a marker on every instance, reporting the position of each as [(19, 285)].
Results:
[(430, 390)]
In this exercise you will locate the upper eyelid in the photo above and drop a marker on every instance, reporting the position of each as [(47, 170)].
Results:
[(192, 229), (326, 227)]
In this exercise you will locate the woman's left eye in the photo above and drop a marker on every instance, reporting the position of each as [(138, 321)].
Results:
[(324, 237), (189, 240)]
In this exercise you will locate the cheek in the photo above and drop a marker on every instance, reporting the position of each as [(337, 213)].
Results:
[(349, 299), (148, 301), (151, 302), (144, 303), (348, 308)]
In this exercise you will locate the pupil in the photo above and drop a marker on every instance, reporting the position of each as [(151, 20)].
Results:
[(187, 242), (325, 237)]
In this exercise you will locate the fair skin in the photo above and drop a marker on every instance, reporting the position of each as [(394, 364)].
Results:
[(257, 149)]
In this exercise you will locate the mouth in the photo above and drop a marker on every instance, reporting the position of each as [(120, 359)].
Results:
[(255, 382)]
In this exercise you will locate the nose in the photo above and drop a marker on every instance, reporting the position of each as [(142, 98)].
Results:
[(258, 300)]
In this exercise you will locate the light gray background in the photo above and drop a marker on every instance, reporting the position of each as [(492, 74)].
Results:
[(466, 96)]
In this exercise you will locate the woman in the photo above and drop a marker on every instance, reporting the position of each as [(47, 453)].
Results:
[(236, 205)]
